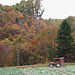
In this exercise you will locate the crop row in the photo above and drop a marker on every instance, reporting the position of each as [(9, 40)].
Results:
[(10, 71), (64, 70)]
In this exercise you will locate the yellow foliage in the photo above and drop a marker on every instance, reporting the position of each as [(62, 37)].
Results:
[(6, 41), (15, 26)]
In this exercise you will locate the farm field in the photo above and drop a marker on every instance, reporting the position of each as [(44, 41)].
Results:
[(10, 71), (64, 70)]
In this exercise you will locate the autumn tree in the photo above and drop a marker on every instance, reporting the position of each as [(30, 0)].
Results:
[(2, 53), (64, 39), (8, 49), (30, 7), (18, 48)]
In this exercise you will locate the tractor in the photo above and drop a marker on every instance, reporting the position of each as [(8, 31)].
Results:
[(58, 62)]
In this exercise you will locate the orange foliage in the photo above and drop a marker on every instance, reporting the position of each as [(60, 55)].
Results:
[(8, 61), (2, 49), (20, 16), (32, 27), (25, 25), (34, 41)]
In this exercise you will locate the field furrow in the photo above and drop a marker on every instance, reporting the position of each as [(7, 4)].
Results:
[(63, 70)]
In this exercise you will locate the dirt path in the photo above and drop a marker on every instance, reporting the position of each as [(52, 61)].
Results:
[(36, 65)]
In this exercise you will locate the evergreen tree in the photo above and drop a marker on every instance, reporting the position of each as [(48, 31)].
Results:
[(64, 39)]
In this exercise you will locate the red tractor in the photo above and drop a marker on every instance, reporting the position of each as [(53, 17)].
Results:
[(57, 62)]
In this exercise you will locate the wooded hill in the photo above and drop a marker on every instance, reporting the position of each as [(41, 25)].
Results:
[(26, 38)]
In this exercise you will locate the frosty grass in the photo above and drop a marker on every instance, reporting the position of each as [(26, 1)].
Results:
[(64, 70), (10, 71)]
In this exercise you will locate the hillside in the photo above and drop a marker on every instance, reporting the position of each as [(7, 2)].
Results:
[(26, 38)]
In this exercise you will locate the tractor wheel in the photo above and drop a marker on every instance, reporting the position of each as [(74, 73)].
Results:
[(58, 65), (51, 65)]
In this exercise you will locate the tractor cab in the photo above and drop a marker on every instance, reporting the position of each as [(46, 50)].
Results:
[(57, 62)]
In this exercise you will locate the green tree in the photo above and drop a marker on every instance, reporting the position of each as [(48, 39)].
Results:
[(31, 8), (64, 39)]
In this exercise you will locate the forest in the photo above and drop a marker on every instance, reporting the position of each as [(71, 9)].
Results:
[(26, 38)]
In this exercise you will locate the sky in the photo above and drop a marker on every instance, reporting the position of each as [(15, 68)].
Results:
[(55, 9)]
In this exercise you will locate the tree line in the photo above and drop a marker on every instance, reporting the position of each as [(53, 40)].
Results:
[(26, 38)]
